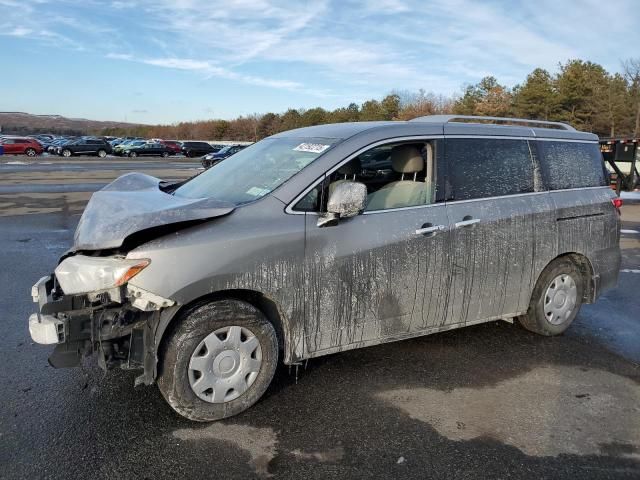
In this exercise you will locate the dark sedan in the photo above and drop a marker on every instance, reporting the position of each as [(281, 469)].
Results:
[(196, 149), (148, 150), (211, 159), (86, 146)]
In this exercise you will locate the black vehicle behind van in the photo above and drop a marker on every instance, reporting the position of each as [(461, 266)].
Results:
[(86, 146), (196, 149)]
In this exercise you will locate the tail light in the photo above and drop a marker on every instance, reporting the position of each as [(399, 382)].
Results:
[(617, 202)]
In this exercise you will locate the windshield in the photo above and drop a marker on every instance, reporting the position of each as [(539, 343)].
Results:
[(256, 170)]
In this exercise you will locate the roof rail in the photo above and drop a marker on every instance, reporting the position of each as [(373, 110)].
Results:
[(496, 120)]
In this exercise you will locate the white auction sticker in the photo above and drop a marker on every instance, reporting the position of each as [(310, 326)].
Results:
[(311, 147), (257, 191)]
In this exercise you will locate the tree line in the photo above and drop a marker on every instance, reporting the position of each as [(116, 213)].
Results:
[(581, 93)]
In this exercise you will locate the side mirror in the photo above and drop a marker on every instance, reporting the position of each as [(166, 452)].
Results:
[(348, 199)]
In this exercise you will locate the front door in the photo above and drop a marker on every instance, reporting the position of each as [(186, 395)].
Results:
[(367, 276)]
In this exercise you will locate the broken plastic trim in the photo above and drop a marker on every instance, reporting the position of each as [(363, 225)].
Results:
[(147, 301)]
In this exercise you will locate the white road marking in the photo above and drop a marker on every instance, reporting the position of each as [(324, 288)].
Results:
[(629, 270), (628, 231)]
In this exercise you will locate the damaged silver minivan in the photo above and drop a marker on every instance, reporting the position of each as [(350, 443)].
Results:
[(329, 238)]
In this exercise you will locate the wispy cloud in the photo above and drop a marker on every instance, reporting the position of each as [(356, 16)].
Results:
[(210, 70), (331, 48)]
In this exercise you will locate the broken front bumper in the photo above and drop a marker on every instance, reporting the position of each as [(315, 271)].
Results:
[(111, 324), (45, 329)]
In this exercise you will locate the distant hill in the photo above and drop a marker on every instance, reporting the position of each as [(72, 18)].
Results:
[(26, 123)]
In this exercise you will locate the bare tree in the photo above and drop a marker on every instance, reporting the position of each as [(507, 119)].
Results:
[(631, 69)]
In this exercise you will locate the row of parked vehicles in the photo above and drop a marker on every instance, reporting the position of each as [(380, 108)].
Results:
[(126, 146)]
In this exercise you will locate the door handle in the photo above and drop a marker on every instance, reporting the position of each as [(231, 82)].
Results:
[(432, 229), (466, 223)]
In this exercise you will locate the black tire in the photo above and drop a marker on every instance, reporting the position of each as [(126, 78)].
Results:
[(102, 153), (66, 153), (30, 152), (133, 154), (165, 154), (535, 320), (190, 330)]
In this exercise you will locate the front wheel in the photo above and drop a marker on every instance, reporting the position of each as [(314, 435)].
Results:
[(165, 154), (102, 153), (133, 154), (66, 153), (30, 152), (218, 361), (556, 299)]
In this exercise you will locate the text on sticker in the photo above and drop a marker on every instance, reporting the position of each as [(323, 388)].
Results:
[(311, 147)]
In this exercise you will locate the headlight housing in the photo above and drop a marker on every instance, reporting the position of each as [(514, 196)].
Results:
[(82, 274)]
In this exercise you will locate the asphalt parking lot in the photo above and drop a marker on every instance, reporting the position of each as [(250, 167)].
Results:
[(486, 401)]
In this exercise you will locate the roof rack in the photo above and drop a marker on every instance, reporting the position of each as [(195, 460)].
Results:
[(496, 120)]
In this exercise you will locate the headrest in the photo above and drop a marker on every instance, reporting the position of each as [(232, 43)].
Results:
[(406, 159), (351, 168)]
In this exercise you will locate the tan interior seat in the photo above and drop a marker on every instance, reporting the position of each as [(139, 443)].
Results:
[(407, 160)]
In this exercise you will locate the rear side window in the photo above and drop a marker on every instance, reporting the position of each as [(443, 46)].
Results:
[(480, 168), (571, 165)]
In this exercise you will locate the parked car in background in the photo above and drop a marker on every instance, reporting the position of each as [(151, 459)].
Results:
[(21, 146), (211, 159), (86, 146), (196, 149), (148, 149), (46, 143), (43, 137), (173, 145), (118, 149), (54, 147)]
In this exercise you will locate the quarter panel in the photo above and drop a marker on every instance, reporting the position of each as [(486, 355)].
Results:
[(588, 224)]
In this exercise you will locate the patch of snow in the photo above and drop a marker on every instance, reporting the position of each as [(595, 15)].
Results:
[(630, 195)]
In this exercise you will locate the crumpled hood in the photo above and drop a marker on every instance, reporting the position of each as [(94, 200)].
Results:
[(132, 203)]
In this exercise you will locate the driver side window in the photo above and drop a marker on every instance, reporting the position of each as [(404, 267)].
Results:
[(396, 175)]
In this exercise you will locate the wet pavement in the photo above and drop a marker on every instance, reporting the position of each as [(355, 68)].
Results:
[(489, 401)]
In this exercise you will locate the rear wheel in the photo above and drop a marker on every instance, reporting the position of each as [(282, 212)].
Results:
[(30, 152), (133, 154), (218, 361), (556, 299), (165, 154), (66, 152), (102, 153)]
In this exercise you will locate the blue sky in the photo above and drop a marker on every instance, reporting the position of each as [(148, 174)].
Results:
[(162, 61)]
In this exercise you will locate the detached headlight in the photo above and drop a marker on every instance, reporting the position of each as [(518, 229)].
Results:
[(82, 274)]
